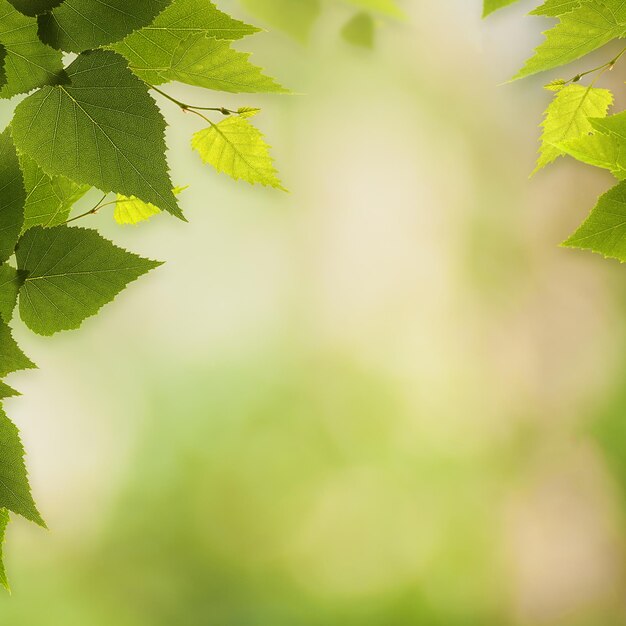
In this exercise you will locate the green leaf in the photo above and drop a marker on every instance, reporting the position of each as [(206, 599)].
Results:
[(70, 274), (12, 197), (360, 31), (604, 231), (493, 5), (153, 47), (34, 7), (209, 63), (14, 488), (235, 147), (7, 392), (4, 522), (49, 199), (103, 129), (78, 25), (580, 31), (599, 150), (12, 359), (29, 63), (556, 8), (10, 282), (567, 117), (130, 211)]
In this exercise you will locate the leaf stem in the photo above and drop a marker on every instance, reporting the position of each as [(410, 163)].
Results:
[(191, 108), (608, 66), (99, 205)]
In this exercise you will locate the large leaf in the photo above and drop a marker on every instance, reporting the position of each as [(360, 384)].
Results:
[(70, 273), (103, 129), (79, 25), (29, 63), (205, 62), (152, 47), (12, 197), (580, 31)]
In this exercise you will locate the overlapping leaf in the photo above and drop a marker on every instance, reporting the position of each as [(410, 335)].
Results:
[(10, 282), (78, 25), (28, 62), (34, 7), (49, 199), (12, 198), (102, 129), (203, 62), (152, 48)]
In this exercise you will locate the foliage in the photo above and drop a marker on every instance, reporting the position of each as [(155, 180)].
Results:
[(576, 122), (90, 121)]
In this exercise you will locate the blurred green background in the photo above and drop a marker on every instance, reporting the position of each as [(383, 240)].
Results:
[(385, 399)]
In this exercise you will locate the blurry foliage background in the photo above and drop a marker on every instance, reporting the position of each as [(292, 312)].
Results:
[(385, 399)]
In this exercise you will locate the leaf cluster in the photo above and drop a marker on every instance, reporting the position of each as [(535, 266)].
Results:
[(579, 121), (89, 75)]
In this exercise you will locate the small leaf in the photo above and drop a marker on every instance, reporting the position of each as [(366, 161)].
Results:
[(235, 147), (130, 211), (14, 488), (70, 274), (568, 116)]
